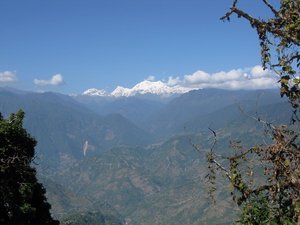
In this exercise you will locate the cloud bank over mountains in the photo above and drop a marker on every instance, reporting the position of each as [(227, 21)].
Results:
[(248, 78)]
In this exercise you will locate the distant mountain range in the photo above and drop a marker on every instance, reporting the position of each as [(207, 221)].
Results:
[(165, 117), (134, 154), (63, 126)]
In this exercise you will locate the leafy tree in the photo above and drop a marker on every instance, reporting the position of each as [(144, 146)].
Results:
[(22, 198), (266, 179), (257, 211)]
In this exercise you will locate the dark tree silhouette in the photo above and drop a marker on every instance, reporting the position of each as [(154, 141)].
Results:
[(22, 197)]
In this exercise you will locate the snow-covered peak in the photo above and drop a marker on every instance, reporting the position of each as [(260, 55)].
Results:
[(145, 87), (95, 92), (121, 92), (152, 87), (148, 87)]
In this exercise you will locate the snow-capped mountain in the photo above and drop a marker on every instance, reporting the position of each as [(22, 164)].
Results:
[(156, 87), (121, 91), (145, 87)]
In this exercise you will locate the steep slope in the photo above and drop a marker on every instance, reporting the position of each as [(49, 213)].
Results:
[(241, 115), (63, 201), (116, 177), (66, 130), (172, 118), (71, 208), (136, 109), (91, 218), (160, 184), (164, 183), (164, 119)]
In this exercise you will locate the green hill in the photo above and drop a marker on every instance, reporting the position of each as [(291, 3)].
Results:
[(62, 127)]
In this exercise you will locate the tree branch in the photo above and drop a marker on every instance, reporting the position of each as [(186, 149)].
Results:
[(271, 7), (222, 168), (260, 25)]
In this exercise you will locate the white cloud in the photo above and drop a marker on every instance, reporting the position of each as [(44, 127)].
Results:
[(249, 78), (197, 77), (151, 78), (56, 79), (226, 76), (258, 71), (257, 83), (173, 81), (201, 77), (8, 77)]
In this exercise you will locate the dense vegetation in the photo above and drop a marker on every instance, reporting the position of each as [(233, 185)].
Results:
[(22, 197)]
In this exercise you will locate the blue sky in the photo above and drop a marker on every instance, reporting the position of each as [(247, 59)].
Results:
[(81, 44)]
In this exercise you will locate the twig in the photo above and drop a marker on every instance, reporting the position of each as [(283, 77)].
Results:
[(222, 168), (271, 7)]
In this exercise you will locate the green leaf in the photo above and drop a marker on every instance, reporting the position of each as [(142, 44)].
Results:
[(284, 80)]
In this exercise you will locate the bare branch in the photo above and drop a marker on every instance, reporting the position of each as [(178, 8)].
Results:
[(259, 25), (241, 155), (222, 168), (228, 14), (215, 139), (271, 7)]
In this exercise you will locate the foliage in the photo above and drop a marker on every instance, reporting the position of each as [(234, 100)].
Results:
[(257, 212), (279, 41), (22, 198), (265, 179)]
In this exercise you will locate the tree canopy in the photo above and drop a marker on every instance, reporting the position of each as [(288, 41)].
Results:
[(22, 197)]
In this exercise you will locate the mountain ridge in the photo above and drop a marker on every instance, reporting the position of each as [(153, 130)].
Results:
[(142, 88), (62, 126), (100, 155)]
